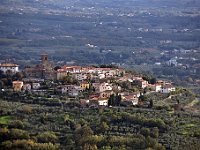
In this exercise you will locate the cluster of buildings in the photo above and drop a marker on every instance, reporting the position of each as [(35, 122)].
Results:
[(83, 73), (98, 83)]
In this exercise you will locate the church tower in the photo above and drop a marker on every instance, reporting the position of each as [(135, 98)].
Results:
[(44, 58)]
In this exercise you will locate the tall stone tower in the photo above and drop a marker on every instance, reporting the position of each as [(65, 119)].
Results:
[(44, 58), (45, 64)]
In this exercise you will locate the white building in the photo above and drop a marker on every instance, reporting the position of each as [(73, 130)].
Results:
[(98, 102), (131, 97), (71, 90), (80, 76), (72, 69), (35, 86), (158, 87), (167, 88), (105, 87), (141, 83), (27, 87), (12, 67), (172, 62), (103, 102), (66, 70), (101, 76)]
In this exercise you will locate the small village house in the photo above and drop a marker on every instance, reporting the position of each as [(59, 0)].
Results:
[(132, 98), (61, 73), (158, 87), (106, 94), (98, 102), (167, 88), (72, 69), (27, 87), (35, 86), (7, 66), (71, 90), (84, 85), (81, 76), (141, 83), (103, 102), (17, 85), (105, 87)]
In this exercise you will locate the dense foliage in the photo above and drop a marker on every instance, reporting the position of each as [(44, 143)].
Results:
[(36, 125)]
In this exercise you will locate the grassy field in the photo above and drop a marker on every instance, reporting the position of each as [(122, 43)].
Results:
[(5, 119)]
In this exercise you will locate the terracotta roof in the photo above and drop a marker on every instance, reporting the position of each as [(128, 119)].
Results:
[(70, 67), (9, 65), (104, 69), (15, 82), (107, 91), (84, 82), (94, 96), (61, 70), (98, 99), (167, 86)]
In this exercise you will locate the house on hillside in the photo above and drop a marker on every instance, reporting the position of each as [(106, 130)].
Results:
[(101, 76), (7, 66), (141, 83), (72, 69), (35, 86), (71, 90), (17, 85), (84, 85), (27, 87), (131, 97), (66, 70), (98, 102), (105, 87), (60, 74), (158, 87), (167, 88), (106, 94), (80, 76)]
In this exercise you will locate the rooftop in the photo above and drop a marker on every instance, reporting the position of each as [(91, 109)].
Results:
[(8, 65), (166, 86), (17, 82)]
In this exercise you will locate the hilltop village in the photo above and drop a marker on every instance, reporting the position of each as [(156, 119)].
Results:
[(89, 85), (45, 106)]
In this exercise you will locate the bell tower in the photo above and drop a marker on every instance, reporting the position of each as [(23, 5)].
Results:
[(44, 58)]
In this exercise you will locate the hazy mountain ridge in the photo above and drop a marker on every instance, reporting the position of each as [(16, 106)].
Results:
[(61, 4)]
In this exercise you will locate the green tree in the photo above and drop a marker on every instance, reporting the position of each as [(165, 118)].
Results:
[(104, 127), (82, 132), (111, 100), (1, 84), (16, 124), (151, 103), (145, 131), (47, 137), (154, 132), (18, 134), (118, 99)]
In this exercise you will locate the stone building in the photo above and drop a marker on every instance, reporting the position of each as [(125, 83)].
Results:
[(44, 70)]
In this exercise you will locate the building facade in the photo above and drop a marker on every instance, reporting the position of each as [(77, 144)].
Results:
[(12, 67), (17, 85), (44, 70)]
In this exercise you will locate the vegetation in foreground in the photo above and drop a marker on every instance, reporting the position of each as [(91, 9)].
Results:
[(38, 126)]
